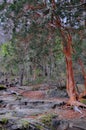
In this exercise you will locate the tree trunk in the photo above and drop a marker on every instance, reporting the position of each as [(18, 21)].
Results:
[(67, 48), (34, 72), (70, 79), (30, 70), (69, 69), (21, 77)]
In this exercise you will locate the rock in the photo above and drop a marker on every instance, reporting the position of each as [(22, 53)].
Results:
[(56, 93), (55, 124), (13, 92), (80, 124), (80, 88), (14, 127), (1, 101), (74, 129), (64, 125), (29, 109), (3, 111), (2, 87)]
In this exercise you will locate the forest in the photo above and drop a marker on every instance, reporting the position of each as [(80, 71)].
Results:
[(42, 64)]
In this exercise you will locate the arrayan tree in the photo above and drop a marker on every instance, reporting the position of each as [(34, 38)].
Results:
[(67, 50), (64, 17)]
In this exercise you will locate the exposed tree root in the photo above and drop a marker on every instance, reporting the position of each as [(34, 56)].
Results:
[(76, 103), (82, 94)]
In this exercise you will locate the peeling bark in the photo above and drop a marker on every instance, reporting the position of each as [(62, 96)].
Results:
[(69, 68)]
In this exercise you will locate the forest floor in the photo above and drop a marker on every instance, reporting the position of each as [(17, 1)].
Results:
[(41, 106)]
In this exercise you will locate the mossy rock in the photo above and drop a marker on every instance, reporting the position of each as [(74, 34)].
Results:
[(2, 87), (4, 121), (39, 127), (25, 124), (47, 119)]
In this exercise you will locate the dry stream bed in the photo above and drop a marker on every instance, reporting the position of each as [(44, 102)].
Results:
[(38, 108)]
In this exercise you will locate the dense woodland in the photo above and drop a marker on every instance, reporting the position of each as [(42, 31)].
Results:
[(43, 33)]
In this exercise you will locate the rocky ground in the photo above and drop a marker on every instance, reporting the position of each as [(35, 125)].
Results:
[(38, 107)]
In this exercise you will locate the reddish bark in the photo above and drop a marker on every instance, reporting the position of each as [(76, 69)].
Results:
[(69, 68)]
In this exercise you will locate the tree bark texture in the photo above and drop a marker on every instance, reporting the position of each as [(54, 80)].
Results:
[(69, 69)]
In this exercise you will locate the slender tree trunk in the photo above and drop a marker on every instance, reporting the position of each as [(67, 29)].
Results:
[(30, 70), (69, 69), (50, 66), (21, 77), (34, 72), (70, 79)]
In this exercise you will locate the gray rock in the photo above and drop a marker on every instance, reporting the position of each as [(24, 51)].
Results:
[(80, 88), (57, 93), (3, 111)]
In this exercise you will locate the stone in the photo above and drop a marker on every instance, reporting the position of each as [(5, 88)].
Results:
[(80, 88), (29, 109), (2, 87), (54, 124)]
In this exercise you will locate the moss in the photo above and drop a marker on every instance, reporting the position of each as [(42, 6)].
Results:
[(2, 87), (47, 119), (25, 124), (39, 127), (4, 121)]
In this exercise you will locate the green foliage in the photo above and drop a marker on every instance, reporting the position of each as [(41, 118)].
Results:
[(38, 80), (7, 53), (58, 49), (39, 127), (25, 124), (2, 6), (10, 56), (79, 47), (34, 41), (5, 49)]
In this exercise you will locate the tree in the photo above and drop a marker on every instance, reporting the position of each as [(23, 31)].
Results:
[(55, 16), (13, 58), (67, 50)]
